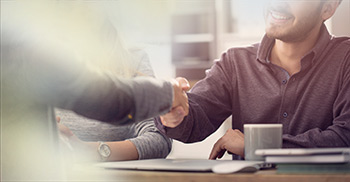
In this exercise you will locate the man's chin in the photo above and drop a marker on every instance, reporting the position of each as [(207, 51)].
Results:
[(273, 35), (281, 37)]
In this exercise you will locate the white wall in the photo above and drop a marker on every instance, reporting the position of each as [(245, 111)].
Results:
[(340, 22), (146, 24)]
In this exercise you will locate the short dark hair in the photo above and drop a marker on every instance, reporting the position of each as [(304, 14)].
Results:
[(327, 0), (339, 0)]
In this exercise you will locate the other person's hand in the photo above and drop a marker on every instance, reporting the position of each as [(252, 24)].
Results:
[(73, 148), (232, 141), (68, 137), (64, 130), (180, 104)]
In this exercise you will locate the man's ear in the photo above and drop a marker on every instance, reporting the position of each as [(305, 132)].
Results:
[(329, 8)]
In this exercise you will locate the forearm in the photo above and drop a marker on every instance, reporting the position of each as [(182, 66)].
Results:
[(190, 130), (152, 145), (119, 100), (203, 119), (58, 78), (122, 150), (334, 136), (209, 104), (152, 97)]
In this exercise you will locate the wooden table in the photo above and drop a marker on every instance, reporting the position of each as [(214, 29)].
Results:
[(98, 174)]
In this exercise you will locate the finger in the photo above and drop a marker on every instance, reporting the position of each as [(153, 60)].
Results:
[(174, 115), (65, 130), (216, 153), (162, 120), (180, 97), (239, 133), (213, 154), (58, 119), (186, 108), (183, 102), (221, 153), (183, 82), (180, 112), (171, 123), (173, 118), (217, 148), (168, 123), (165, 121)]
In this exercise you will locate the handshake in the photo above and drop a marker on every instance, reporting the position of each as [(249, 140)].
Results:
[(180, 105)]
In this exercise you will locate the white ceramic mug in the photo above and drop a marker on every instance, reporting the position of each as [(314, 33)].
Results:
[(261, 136)]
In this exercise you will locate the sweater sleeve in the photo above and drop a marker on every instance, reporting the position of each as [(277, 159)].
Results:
[(149, 142), (209, 105), (56, 76)]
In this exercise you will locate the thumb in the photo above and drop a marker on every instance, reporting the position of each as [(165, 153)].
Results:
[(183, 82)]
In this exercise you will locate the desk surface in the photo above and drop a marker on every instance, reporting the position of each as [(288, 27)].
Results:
[(98, 174)]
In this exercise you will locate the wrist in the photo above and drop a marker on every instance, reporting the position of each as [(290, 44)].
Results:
[(104, 151)]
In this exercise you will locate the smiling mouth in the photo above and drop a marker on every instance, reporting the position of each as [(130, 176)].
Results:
[(278, 16)]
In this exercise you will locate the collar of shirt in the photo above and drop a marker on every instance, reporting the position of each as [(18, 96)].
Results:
[(266, 44)]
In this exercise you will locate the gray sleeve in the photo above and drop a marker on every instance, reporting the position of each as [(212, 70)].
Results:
[(152, 97), (149, 142), (56, 76), (92, 130)]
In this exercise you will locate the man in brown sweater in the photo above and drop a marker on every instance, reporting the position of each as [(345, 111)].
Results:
[(298, 75)]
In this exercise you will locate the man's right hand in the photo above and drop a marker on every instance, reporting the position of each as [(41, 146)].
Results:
[(232, 141), (180, 104)]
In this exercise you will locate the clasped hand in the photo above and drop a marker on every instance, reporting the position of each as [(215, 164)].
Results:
[(232, 141), (180, 104)]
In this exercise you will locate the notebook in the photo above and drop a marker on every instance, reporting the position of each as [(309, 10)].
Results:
[(190, 165), (313, 168), (318, 155)]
